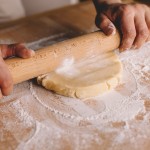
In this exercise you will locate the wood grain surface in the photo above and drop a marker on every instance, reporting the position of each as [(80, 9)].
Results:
[(72, 21)]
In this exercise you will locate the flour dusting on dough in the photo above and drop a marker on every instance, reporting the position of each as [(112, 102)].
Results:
[(67, 68)]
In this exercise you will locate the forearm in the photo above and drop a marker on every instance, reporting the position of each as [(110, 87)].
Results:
[(101, 3), (106, 1)]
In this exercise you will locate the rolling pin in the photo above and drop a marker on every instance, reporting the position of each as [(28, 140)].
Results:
[(49, 58)]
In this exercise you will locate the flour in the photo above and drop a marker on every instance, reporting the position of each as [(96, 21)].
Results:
[(67, 68), (72, 69), (137, 67), (24, 117), (127, 104), (40, 119)]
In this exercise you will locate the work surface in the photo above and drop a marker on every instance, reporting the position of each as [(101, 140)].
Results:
[(34, 118)]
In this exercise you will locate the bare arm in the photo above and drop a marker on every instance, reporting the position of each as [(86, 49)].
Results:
[(132, 20), (107, 1)]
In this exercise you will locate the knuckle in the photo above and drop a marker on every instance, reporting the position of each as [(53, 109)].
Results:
[(140, 6), (126, 10), (137, 5), (130, 34), (144, 6), (144, 33)]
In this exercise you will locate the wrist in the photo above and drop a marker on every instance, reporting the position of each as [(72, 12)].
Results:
[(107, 1), (100, 4)]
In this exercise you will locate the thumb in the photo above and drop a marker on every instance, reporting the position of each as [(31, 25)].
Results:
[(6, 81), (16, 50), (103, 22)]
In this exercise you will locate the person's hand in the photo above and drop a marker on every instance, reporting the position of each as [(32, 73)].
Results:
[(6, 51), (132, 20)]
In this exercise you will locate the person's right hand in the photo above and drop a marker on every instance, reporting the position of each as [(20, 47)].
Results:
[(6, 51)]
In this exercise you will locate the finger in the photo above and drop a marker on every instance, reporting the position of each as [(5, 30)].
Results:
[(22, 51), (6, 82), (142, 31), (147, 18), (1, 96), (105, 24), (128, 32), (16, 50)]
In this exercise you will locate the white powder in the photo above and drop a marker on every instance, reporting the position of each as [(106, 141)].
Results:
[(73, 69), (127, 104), (67, 68), (24, 117), (57, 122)]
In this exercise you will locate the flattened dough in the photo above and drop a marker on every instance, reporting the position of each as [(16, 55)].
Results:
[(87, 78)]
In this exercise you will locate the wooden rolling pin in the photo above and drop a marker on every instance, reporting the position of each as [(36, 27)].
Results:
[(49, 58)]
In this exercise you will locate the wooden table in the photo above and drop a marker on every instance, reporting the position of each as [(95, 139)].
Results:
[(71, 20)]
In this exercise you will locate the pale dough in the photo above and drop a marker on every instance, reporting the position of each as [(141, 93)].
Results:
[(87, 78)]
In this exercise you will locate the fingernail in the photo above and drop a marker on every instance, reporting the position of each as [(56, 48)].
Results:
[(123, 49), (114, 32), (134, 47), (32, 52), (112, 29)]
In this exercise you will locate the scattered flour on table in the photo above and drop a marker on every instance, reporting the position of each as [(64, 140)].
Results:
[(97, 115), (128, 102)]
